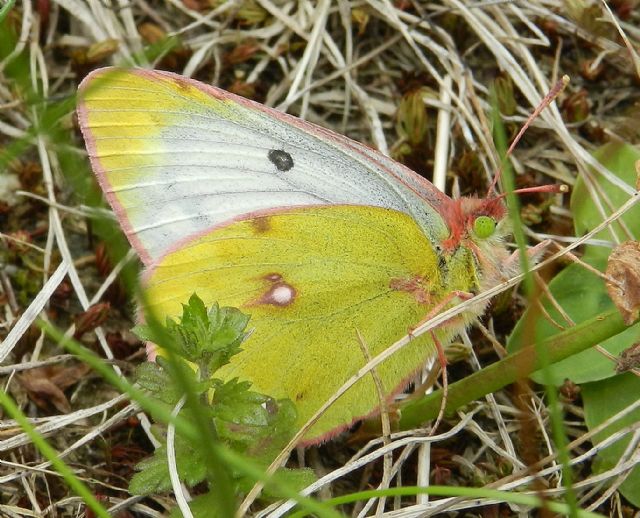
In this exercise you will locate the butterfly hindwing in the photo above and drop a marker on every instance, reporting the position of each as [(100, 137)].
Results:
[(311, 278)]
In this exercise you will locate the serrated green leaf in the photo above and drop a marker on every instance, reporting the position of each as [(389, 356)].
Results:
[(192, 467), (256, 424), (152, 476), (153, 472), (282, 417), (602, 400), (240, 415), (234, 402), (202, 341), (206, 338), (155, 380), (144, 332)]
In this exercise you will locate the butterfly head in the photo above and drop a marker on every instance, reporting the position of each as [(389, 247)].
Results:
[(474, 251), (474, 221)]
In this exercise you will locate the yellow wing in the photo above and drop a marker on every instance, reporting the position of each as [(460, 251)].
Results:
[(311, 277)]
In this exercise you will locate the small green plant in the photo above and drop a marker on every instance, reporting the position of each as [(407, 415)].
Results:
[(245, 421)]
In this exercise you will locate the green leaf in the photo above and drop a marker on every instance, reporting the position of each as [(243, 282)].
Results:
[(206, 338), (253, 422), (619, 158), (202, 506), (603, 399), (235, 403), (274, 437), (242, 419), (145, 333), (155, 380), (153, 472), (580, 293), (153, 475)]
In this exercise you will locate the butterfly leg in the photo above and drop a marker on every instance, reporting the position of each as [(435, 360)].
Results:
[(445, 382), (442, 359)]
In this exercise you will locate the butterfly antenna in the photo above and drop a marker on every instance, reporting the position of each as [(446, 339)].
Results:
[(553, 188), (546, 101)]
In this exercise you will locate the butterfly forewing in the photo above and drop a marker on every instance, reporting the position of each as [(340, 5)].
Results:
[(176, 157)]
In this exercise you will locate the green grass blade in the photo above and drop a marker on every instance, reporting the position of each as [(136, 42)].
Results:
[(513, 204), (511, 368), (4, 10), (51, 455)]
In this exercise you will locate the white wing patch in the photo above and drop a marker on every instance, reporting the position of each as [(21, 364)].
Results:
[(176, 157)]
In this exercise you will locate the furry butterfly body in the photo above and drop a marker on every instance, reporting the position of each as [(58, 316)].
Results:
[(316, 236)]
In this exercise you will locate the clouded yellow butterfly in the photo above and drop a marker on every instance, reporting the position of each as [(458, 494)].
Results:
[(316, 236)]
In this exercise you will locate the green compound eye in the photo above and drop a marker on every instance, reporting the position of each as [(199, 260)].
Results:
[(484, 226)]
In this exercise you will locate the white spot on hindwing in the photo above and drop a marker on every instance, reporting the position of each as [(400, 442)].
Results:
[(279, 293), (282, 295)]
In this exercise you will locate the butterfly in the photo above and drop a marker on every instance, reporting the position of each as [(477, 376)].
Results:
[(319, 238)]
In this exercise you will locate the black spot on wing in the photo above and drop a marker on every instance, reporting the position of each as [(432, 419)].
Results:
[(281, 159)]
